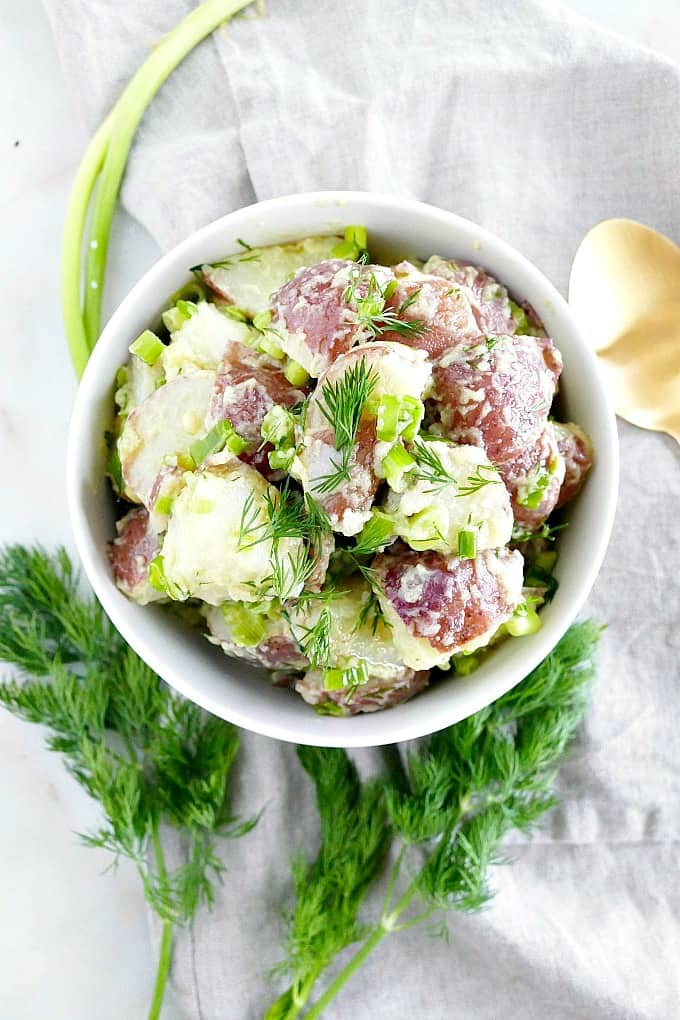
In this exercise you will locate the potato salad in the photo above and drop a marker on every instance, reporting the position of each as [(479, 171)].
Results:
[(346, 471)]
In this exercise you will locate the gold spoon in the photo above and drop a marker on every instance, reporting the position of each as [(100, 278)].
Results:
[(625, 292)]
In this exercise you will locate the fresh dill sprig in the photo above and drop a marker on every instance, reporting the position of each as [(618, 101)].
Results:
[(450, 806), (371, 614), (146, 756), (430, 468), (477, 480), (331, 888), (342, 404), (367, 297), (315, 641)]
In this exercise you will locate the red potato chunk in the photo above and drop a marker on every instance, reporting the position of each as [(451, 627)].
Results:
[(130, 555), (244, 391), (497, 393), (278, 650), (577, 451), (535, 473), (373, 696), (489, 300), (314, 315), (439, 605), (396, 370), (444, 309)]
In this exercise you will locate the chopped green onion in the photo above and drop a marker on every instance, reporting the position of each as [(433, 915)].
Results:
[(354, 244), (338, 679), (534, 497), (278, 426), (524, 621), (122, 376), (233, 312), (467, 544), (220, 436), (427, 528), (163, 505), (546, 560), (159, 581), (520, 318), (466, 664), (378, 532), (157, 574), (262, 321), (115, 471), (539, 578), (147, 347), (329, 708), (268, 345), (248, 628), (390, 289), (296, 374), (185, 461), (395, 464), (397, 416), (281, 460), (174, 318)]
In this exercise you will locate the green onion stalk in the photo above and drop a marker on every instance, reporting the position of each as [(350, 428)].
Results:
[(87, 228), (101, 172)]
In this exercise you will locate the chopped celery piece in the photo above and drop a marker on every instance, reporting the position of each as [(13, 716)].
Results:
[(296, 374), (247, 628), (147, 347), (278, 426), (163, 505), (354, 244), (395, 465), (524, 621), (220, 436), (467, 544), (397, 416), (271, 346), (338, 679)]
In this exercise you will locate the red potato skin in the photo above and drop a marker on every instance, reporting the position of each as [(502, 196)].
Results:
[(577, 452), (515, 471), (132, 551), (370, 697), (460, 599), (312, 303), (518, 385), (489, 300), (451, 320), (359, 492), (245, 405)]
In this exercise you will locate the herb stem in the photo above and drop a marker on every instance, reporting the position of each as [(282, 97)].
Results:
[(165, 953), (374, 939), (162, 971)]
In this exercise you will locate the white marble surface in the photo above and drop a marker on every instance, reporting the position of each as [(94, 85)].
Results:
[(73, 941)]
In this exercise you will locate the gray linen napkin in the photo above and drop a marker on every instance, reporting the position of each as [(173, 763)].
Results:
[(534, 123)]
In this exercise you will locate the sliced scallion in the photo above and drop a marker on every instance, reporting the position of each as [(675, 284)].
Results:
[(296, 374), (395, 465), (467, 544), (339, 679), (147, 347)]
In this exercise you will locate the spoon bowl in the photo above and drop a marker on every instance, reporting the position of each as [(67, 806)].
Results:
[(625, 293)]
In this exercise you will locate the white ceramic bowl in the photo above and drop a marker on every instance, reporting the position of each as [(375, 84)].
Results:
[(227, 687)]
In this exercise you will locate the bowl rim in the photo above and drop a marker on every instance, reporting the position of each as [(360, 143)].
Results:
[(403, 728)]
